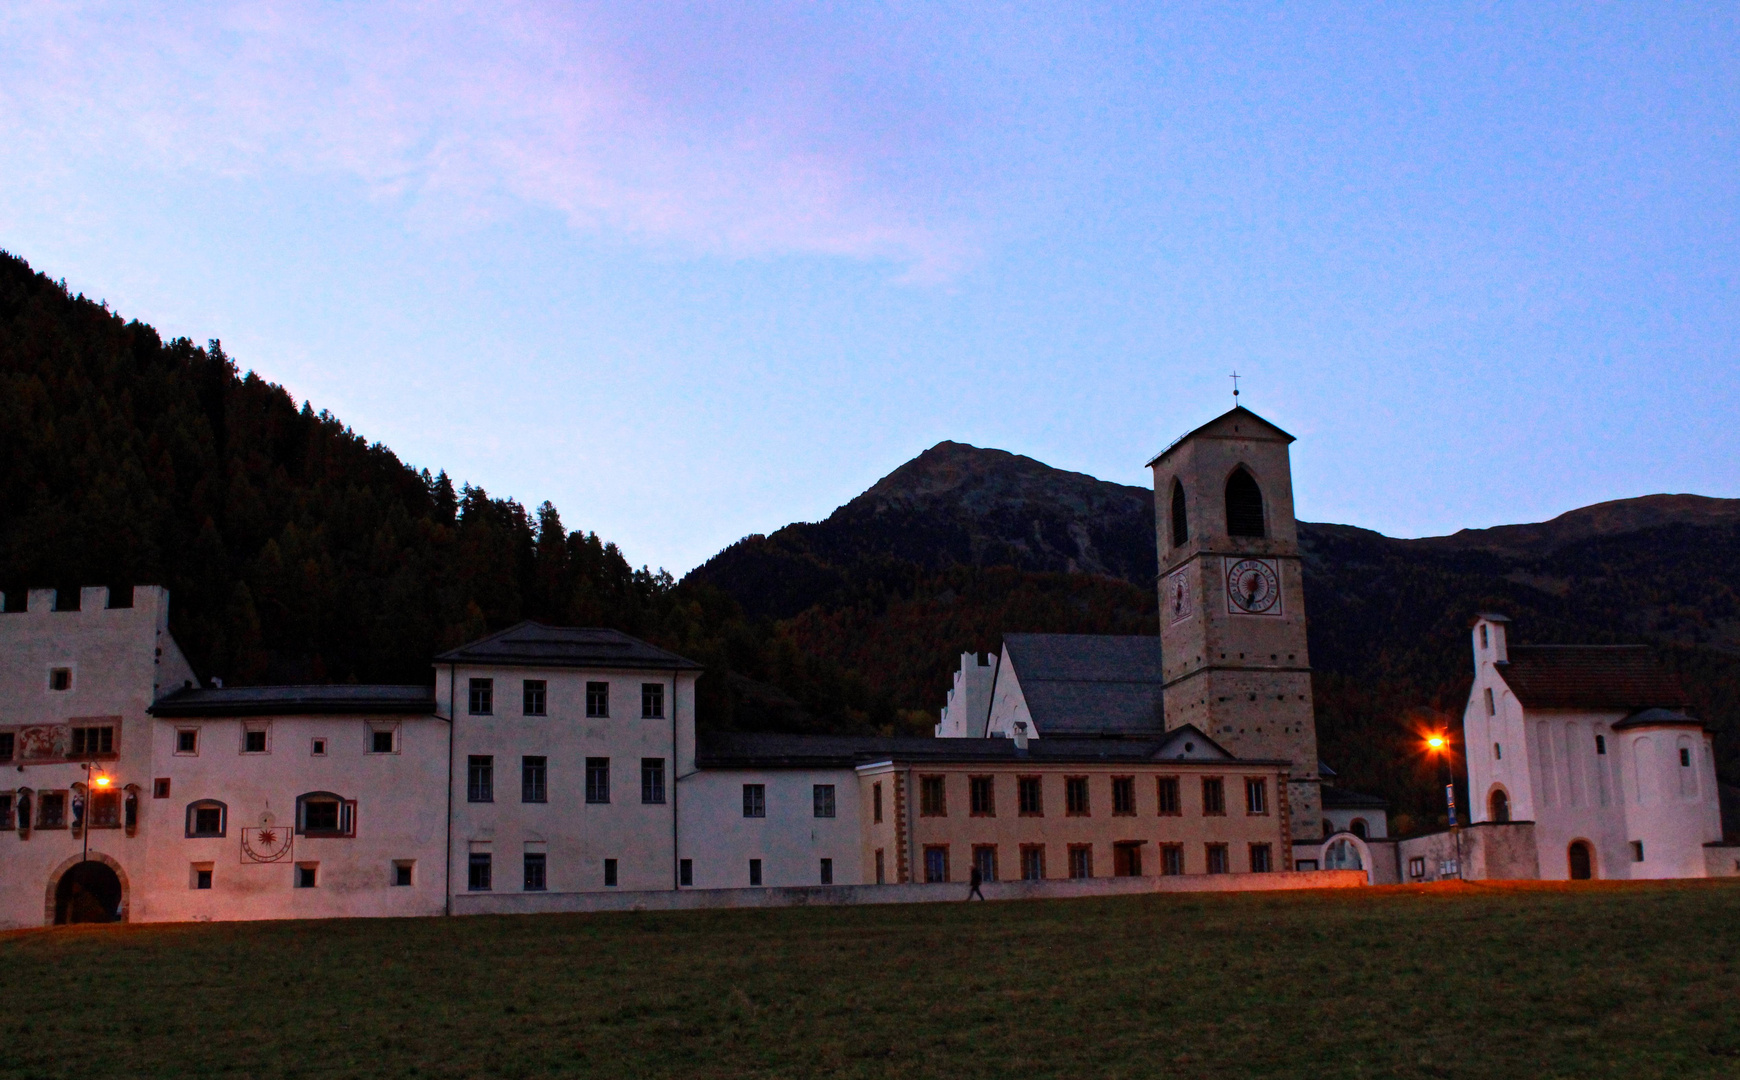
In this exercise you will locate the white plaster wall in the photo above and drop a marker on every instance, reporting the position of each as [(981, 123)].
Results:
[(1008, 704), (790, 841), (969, 699), (119, 658), (575, 836), (1671, 803), (1376, 822), (401, 814)]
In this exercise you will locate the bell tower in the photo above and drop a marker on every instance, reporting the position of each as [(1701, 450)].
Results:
[(1232, 599)]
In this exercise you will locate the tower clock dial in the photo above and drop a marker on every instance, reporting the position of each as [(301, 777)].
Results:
[(1253, 587)]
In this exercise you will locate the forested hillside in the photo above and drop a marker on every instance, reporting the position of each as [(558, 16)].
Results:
[(296, 550)]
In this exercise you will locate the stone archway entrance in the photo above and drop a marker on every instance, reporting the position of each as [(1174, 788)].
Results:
[(88, 892)]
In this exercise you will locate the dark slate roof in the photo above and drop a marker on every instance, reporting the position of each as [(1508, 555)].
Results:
[(744, 750), (1658, 718), (296, 701), (531, 644), (1335, 798), (1089, 684), (1591, 677)]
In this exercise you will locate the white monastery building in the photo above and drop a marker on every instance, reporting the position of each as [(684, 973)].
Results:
[(545, 768)]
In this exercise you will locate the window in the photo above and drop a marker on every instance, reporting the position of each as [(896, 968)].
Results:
[(1127, 858), (92, 741), (1685, 758), (202, 875), (823, 796), (402, 870), (936, 863), (480, 778), (876, 801), (317, 748), (686, 872), (534, 697), (1305, 864), (105, 812), (1357, 827), (1499, 807), (478, 879), (1172, 859), (307, 875), (1032, 862), (534, 779), (652, 780), (1180, 521), (482, 697), (160, 788), (1123, 796), (827, 871), (1260, 859), (652, 701), (932, 797), (1498, 751), (610, 873), (1244, 504), (1075, 796), (1256, 795), (254, 741), (754, 871), (598, 699), (60, 678), (1213, 796), (1217, 862), (1166, 788), (881, 868), (1484, 643), (1081, 860), (982, 796), (187, 742), (383, 741), (985, 861), (207, 818), (1491, 706), (534, 871), (1600, 744), (1637, 851), (597, 779), (51, 810), (1417, 867), (323, 814), (1028, 797), (8, 745), (755, 800)]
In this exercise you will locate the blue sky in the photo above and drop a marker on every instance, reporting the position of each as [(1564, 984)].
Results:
[(693, 272)]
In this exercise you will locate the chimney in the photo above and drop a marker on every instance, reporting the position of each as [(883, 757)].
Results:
[(41, 601), (1020, 736)]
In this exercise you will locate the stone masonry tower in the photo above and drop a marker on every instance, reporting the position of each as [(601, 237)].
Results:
[(1232, 599)]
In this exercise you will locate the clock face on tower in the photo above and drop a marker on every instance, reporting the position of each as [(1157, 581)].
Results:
[(1253, 587)]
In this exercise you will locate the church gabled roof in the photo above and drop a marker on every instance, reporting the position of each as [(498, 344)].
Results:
[(1237, 423), (1089, 684), (530, 644), (1622, 677)]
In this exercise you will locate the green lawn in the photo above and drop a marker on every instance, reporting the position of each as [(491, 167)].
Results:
[(1603, 980)]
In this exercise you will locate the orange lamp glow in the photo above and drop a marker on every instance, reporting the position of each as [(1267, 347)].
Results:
[(1436, 742), (102, 781)]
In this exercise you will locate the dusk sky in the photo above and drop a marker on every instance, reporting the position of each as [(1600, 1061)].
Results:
[(693, 272)]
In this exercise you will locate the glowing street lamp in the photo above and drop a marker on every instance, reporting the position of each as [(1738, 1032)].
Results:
[(1439, 743)]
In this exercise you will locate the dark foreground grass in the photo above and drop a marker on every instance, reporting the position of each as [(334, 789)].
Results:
[(1603, 980)]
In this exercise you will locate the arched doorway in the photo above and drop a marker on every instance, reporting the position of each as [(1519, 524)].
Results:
[(1582, 861), (87, 892), (1499, 806)]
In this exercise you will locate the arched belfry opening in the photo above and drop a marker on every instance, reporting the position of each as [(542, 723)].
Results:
[(1180, 519), (1244, 504), (1498, 807)]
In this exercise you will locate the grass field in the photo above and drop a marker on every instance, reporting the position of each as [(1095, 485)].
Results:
[(1541, 981)]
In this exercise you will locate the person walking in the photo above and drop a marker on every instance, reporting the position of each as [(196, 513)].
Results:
[(975, 878)]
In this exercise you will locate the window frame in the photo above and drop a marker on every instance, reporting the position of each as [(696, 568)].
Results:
[(612, 873), (1266, 851), (876, 802), (755, 875), (191, 829), (1081, 858), (979, 851), (1023, 786), (1072, 806), (1126, 785), (652, 701), (1215, 806), (262, 729), (824, 800), (933, 795), (598, 700), (344, 816), (1256, 796), (597, 781), (534, 779), (474, 881), (1217, 853), (83, 734), (391, 731), (985, 807), (652, 781), (480, 696), (1171, 860), (1168, 797), (538, 861), (941, 852), (1035, 853), (480, 778), (755, 801), (57, 797), (534, 697), (826, 871)]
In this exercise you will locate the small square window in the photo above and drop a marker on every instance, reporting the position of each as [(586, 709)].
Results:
[(307, 875), (382, 742), (652, 701), (160, 788), (597, 700), (201, 875), (482, 701), (60, 678), (610, 873), (535, 698), (187, 742), (317, 747), (1416, 867), (534, 871), (254, 741), (402, 870)]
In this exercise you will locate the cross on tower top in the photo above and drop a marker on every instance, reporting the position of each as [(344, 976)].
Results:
[(1235, 379)]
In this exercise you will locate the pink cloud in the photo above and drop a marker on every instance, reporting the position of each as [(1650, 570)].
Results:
[(725, 132)]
